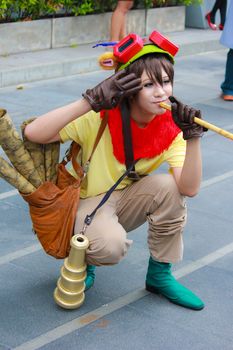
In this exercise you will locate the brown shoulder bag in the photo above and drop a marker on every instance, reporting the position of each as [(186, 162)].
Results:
[(53, 207)]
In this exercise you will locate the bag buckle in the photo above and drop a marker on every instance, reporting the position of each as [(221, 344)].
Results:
[(133, 175), (87, 222), (83, 230)]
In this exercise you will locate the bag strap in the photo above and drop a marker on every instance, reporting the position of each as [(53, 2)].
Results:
[(128, 143), (89, 218), (74, 149), (100, 133), (130, 165)]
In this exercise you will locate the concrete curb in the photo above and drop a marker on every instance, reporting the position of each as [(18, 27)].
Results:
[(54, 63), (44, 34)]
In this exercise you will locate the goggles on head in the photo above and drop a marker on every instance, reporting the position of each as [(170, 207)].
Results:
[(133, 46)]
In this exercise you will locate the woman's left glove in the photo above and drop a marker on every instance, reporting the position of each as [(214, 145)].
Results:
[(183, 116), (110, 92)]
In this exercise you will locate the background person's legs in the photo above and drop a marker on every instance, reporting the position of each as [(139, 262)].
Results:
[(223, 10), (215, 8), (220, 5), (227, 85), (118, 20)]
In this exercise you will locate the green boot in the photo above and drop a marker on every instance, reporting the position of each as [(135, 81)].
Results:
[(160, 280), (90, 279)]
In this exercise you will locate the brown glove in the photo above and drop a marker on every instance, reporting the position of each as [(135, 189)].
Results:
[(109, 93), (183, 116)]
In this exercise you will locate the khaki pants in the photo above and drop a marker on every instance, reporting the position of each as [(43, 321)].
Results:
[(155, 199)]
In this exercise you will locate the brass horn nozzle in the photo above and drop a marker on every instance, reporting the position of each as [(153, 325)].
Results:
[(69, 293)]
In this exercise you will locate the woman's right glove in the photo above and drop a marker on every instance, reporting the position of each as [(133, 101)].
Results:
[(183, 116), (110, 92)]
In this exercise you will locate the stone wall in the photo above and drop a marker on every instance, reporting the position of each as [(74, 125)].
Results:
[(64, 32)]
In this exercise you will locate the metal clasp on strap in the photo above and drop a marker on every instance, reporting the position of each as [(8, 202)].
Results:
[(133, 175), (87, 222), (83, 230), (86, 168)]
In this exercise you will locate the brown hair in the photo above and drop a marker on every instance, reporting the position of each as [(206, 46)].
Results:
[(153, 64)]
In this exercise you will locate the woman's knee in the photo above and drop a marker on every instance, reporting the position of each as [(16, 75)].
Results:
[(167, 197), (108, 249)]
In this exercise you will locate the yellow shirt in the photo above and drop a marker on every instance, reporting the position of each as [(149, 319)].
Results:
[(104, 168)]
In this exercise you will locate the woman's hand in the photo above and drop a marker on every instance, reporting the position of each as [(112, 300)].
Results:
[(109, 93), (183, 116)]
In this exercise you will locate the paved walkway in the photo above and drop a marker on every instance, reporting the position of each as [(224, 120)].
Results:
[(118, 314), (33, 66)]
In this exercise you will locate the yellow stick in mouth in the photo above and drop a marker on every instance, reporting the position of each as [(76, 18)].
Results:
[(204, 124)]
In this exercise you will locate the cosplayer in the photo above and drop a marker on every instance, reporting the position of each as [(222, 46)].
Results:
[(143, 79)]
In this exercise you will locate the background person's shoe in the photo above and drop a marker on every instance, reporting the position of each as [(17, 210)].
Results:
[(221, 26), (210, 21), (227, 97)]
